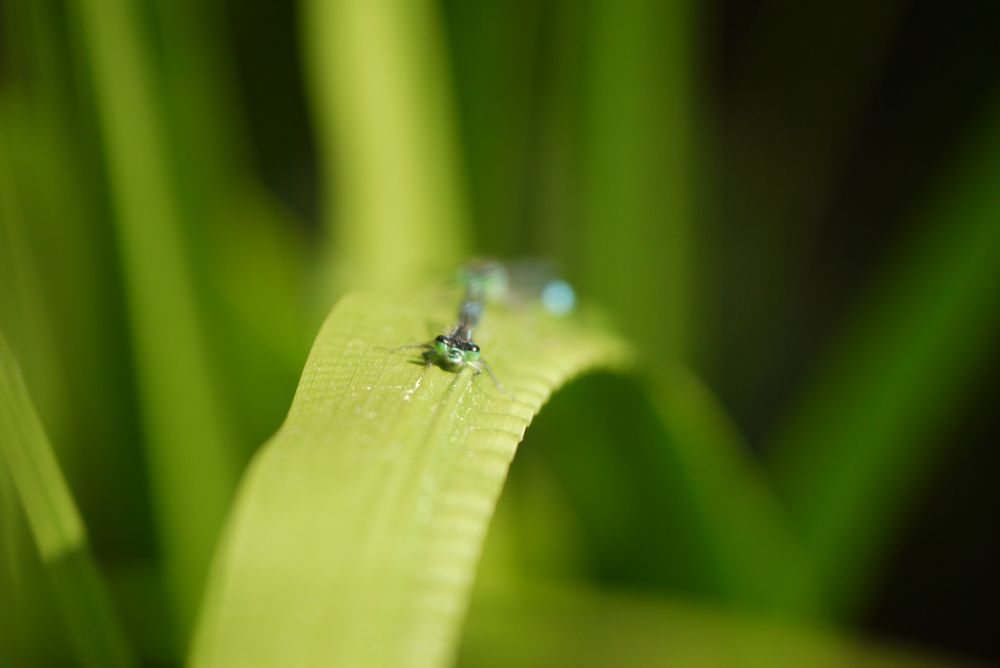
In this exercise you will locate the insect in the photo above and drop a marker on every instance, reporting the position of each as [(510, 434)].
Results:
[(456, 349), (483, 280)]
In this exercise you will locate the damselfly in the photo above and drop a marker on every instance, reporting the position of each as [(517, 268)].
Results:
[(491, 280)]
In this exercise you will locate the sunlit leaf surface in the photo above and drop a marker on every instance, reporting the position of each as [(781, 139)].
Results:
[(357, 529)]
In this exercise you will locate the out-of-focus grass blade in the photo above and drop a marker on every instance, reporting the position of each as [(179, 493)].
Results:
[(22, 307), (603, 444), (188, 437), (747, 530), (26, 619), (79, 346), (777, 174), (248, 253), (499, 49), (395, 206), (55, 523), (261, 314), (692, 511), (200, 105), (636, 192), (860, 439), (358, 527), (540, 624), (245, 252), (49, 144)]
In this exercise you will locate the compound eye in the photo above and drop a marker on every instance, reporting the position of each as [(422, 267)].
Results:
[(473, 348), (441, 338), (441, 344)]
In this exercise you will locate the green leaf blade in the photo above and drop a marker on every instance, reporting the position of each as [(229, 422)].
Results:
[(358, 527), (856, 448), (55, 523), (189, 436), (638, 164)]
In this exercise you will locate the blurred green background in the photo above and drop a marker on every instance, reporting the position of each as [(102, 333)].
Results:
[(795, 206)]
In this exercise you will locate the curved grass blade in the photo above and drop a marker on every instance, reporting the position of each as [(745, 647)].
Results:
[(358, 527), (55, 523)]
